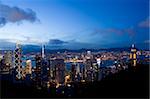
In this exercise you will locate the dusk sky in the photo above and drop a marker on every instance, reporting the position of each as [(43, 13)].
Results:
[(75, 23)]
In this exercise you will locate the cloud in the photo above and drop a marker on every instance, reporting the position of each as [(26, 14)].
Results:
[(56, 42), (118, 31), (70, 44), (147, 41), (145, 23), (16, 15), (130, 31)]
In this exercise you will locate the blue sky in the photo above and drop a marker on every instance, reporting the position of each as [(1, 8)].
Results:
[(75, 23)]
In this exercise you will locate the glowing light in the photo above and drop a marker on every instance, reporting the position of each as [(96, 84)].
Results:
[(68, 85), (82, 80), (63, 92), (134, 56), (48, 84)]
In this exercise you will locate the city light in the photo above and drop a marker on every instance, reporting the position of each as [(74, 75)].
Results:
[(74, 48)]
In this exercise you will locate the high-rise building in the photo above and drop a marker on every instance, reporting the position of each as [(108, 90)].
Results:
[(18, 62), (38, 79), (78, 68), (88, 69), (98, 62), (58, 67), (95, 72), (91, 68), (83, 74), (133, 55), (73, 72), (8, 58), (43, 51), (28, 68), (6, 62), (27, 73), (89, 55), (45, 72)]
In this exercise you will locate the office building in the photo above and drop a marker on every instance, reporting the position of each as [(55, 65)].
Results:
[(38, 62), (18, 62), (43, 51), (133, 55), (45, 72), (28, 68), (58, 70), (6, 62)]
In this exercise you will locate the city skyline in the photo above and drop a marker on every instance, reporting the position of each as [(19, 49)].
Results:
[(74, 48), (74, 24)]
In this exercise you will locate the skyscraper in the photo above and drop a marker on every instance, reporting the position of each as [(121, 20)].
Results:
[(38, 61), (73, 72), (45, 72), (98, 62), (43, 51), (6, 62), (58, 67), (8, 58), (28, 68), (18, 61), (133, 55), (28, 72)]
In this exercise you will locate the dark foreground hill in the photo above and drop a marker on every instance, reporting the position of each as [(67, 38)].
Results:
[(133, 83)]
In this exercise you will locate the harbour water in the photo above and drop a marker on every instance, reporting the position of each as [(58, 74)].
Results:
[(105, 63)]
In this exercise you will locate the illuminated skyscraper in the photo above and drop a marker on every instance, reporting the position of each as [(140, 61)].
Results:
[(57, 67), (98, 62), (28, 68), (133, 55), (38, 79), (45, 72), (95, 72), (60, 70), (83, 73), (43, 51), (8, 58), (18, 61), (73, 72), (6, 62), (89, 55), (27, 72), (88, 69), (78, 68)]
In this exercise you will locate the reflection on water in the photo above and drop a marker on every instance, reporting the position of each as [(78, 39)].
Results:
[(68, 64)]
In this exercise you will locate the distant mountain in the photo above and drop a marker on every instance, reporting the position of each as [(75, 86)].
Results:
[(4, 45), (29, 49)]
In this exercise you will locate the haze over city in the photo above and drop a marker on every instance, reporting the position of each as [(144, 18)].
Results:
[(74, 24)]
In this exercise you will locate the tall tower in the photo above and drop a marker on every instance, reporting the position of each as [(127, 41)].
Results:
[(73, 72), (38, 78), (28, 68), (98, 62), (18, 61), (133, 55), (43, 51), (58, 70)]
